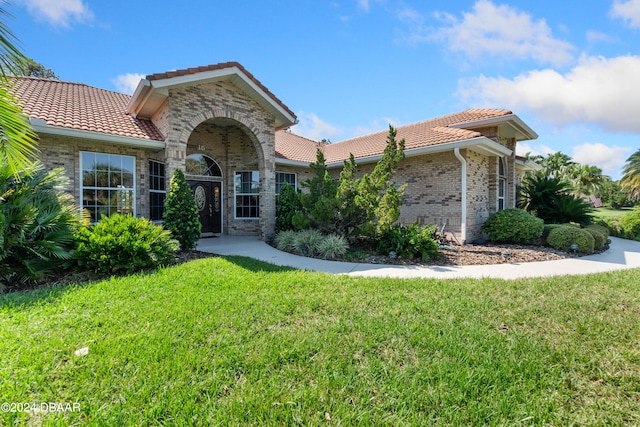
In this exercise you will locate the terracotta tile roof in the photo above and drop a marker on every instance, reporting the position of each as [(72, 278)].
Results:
[(220, 66), (81, 107), (417, 135)]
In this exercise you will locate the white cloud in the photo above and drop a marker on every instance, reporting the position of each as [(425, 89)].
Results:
[(377, 125), (535, 150), (312, 127), (628, 10), (127, 83), (596, 36), (609, 159), (364, 5), (59, 12), (598, 90), (501, 31)]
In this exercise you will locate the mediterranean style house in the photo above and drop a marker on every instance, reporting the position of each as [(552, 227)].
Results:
[(231, 136)]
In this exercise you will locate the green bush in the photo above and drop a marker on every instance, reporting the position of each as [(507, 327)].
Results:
[(409, 242), (513, 226), (563, 237), (333, 246), (181, 215), (546, 230), (630, 224), (599, 239), (307, 242), (287, 205), (601, 228), (124, 244), (284, 240), (37, 224)]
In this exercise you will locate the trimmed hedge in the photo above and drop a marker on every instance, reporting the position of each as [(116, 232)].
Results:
[(564, 236), (124, 244), (598, 238), (513, 226)]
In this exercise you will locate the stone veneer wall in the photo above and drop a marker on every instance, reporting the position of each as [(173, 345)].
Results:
[(190, 106), (56, 152)]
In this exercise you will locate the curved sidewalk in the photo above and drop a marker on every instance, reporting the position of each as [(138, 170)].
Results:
[(622, 254)]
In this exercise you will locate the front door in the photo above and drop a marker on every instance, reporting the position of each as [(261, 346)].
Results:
[(208, 198)]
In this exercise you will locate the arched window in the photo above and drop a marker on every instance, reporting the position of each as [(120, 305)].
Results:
[(201, 165)]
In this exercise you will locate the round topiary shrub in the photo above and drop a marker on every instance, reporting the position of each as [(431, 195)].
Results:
[(598, 238), (124, 244), (563, 237), (601, 228), (513, 226), (546, 230)]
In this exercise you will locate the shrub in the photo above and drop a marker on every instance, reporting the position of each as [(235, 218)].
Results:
[(599, 239), (122, 243), (409, 242), (333, 246), (513, 226), (567, 208), (546, 230), (629, 224), (181, 216), (601, 228), (37, 224), (287, 205), (307, 242), (563, 237), (284, 240)]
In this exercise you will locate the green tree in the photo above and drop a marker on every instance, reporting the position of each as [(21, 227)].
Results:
[(586, 179), (17, 139), (31, 68), (319, 203), (181, 213), (630, 181)]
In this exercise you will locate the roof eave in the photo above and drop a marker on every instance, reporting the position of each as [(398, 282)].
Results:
[(283, 118), (520, 128), (481, 144), (45, 129), (139, 97)]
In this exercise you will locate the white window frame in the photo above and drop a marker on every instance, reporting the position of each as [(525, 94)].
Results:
[(83, 187), (502, 185), (295, 181), (236, 194)]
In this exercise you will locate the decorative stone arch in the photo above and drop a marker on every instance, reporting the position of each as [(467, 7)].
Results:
[(242, 121)]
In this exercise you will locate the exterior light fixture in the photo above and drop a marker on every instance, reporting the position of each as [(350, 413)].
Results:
[(506, 254), (574, 247)]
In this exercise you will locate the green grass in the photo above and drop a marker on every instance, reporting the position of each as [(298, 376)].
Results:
[(232, 341), (603, 213)]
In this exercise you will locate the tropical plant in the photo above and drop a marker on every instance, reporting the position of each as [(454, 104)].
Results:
[(538, 193), (567, 208), (513, 226), (124, 244), (181, 213), (586, 179), (37, 224), (284, 240), (630, 181), (307, 242), (17, 139), (333, 246)]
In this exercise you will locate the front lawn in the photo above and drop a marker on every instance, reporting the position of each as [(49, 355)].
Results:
[(232, 341)]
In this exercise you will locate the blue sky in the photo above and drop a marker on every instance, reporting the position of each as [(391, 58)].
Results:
[(570, 69)]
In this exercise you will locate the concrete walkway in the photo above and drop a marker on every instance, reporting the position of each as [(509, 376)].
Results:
[(622, 254)]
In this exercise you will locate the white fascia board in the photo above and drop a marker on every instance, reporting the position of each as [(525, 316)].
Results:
[(222, 74), (287, 162), (140, 95), (512, 119), (482, 144), (98, 136)]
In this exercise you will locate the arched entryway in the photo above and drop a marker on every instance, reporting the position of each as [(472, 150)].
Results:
[(206, 179)]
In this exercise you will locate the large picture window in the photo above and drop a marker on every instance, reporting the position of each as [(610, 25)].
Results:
[(107, 184), (247, 194), (157, 190), (282, 177)]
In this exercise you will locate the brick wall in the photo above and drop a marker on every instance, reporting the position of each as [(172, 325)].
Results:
[(249, 144), (56, 152)]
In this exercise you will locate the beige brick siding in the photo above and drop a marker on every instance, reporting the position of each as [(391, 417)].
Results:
[(56, 151), (250, 146)]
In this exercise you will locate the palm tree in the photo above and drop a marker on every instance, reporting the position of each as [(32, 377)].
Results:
[(586, 179), (17, 139), (631, 178)]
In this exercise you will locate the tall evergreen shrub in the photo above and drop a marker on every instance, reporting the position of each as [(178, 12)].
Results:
[(180, 212)]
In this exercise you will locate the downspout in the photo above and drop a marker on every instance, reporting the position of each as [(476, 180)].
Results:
[(463, 202)]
